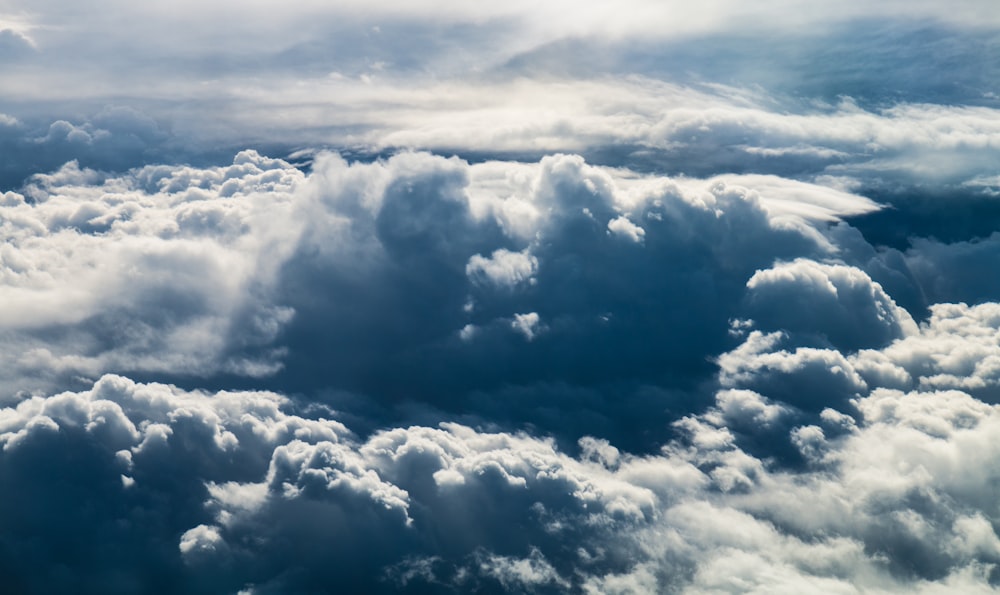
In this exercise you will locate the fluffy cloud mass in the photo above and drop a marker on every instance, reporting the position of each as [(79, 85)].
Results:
[(890, 490), (379, 277), (650, 378), (156, 271), (433, 297)]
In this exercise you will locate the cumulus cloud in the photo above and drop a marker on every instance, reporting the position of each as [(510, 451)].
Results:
[(543, 299), (892, 493), (840, 303), (161, 269), (381, 273), (111, 138), (502, 268), (410, 278), (623, 227), (492, 296), (528, 324), (458, 263)]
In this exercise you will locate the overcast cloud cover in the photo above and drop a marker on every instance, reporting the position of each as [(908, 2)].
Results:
[(529, 297)]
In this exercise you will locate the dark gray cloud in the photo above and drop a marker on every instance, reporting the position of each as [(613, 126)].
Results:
[(115, 138), (14, 45), (841, 304)]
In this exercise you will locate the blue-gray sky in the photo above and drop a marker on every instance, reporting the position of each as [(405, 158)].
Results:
[(437, 297)]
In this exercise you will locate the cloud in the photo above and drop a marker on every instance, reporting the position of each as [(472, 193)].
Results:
[(893, 495), (157, 270), (503, 268), (114, 138), (526, 298), (838, 302), (623, 227), (842, 445), (433, 272), (502, 290), (957, 271), (14, 44), (362, 79), (528, 324)]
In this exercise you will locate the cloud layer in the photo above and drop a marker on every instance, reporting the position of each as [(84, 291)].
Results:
[(688, 361), (496, 290), (892, 491), (434, 297)]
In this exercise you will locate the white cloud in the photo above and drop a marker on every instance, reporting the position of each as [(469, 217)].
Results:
[(528, 324), (623, 227), (522, 574), (955, 349), (158, 262), (200, 541), (503, 268)]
